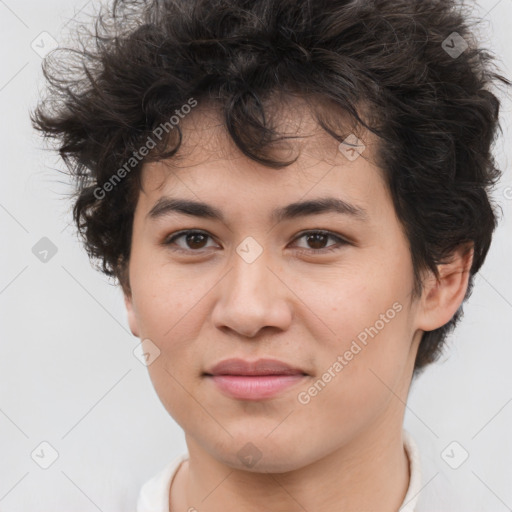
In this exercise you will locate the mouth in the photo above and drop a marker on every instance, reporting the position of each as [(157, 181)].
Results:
[(254, 380)]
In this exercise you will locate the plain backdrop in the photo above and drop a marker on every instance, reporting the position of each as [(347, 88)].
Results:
[(74, 397)]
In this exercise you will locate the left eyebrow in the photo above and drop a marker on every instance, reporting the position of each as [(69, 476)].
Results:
[(167, 206)]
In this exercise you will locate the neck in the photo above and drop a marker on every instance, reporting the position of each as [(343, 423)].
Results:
[(371, 472)]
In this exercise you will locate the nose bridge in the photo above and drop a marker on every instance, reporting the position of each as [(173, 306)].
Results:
[(249, 279), (250, 296)]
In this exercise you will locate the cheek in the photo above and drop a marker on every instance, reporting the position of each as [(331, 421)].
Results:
[(358, 382), (165, 297), (168, 307), (367, 349), (364, 302)]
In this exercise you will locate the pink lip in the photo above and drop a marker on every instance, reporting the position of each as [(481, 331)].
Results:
[(254, 380), (254, 387)]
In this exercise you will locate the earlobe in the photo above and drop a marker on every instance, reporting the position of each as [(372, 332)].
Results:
[(442, 297), (124, 281), (132, 319)]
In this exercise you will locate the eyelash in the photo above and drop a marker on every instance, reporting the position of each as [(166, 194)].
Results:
[(340, 241)]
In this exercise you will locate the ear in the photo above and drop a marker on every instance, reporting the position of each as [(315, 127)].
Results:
[(442, 297), (132, 319), (124, 281)]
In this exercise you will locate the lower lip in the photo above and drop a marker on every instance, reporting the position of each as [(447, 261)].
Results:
[(256, 387)]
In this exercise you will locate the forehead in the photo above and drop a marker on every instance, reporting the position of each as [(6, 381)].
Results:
[(209, 165)]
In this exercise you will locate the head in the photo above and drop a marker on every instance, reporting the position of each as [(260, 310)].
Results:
[(250, 107)]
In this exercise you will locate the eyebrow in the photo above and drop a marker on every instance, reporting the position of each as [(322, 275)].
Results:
[(166, 206)]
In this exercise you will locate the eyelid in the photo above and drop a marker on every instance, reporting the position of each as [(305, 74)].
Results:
[(321, 231)]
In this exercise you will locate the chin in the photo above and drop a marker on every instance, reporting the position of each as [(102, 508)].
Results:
[(267, 463), (258, 453)]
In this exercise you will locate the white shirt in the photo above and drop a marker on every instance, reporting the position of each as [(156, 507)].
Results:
[(154, 494)]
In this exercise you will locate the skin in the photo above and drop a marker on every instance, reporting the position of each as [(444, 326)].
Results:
[(344, 449)]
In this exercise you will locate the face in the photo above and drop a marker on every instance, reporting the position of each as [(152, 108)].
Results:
[(328, 292)]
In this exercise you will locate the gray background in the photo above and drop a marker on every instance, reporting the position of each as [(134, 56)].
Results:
[(68, 374)]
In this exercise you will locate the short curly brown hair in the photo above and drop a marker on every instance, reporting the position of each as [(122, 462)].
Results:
[(415, 64)]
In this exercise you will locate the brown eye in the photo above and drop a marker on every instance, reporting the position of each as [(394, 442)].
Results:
[(317, 240), (195, 241)]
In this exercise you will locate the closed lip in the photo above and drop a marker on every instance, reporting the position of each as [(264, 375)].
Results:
[(267, 366)]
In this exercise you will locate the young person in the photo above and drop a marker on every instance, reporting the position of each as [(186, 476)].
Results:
[(294, 197)]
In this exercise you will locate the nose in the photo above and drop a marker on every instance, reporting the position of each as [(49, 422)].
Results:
[(251, 297)]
